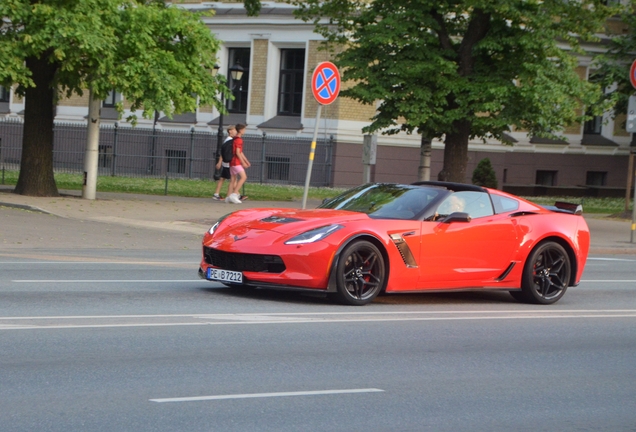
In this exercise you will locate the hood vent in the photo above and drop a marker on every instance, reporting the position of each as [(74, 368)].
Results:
[(280, 220)]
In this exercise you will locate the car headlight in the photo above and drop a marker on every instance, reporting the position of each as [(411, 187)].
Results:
[(216, 225), (313, 235)]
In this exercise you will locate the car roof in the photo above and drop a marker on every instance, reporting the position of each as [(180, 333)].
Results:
[(456, 187)]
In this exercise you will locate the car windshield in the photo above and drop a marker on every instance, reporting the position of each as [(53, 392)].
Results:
[(386, 201)]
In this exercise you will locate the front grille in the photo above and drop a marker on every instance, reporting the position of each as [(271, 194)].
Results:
[(243, 262)]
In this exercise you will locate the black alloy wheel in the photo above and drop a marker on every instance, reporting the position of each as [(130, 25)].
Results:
[(361, 273), (546, 275)]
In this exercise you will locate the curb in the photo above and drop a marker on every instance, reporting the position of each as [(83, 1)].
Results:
[(24, 207)]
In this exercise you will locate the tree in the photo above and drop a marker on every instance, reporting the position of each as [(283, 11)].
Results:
[(484, 174), (462, 69), (614, 64), (157, 55)]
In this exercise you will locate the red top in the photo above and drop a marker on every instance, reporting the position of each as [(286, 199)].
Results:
[(238, 144)]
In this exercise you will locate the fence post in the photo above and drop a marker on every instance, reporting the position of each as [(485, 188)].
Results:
[(263, 158), (2, 160), (113, 168), (329, 162), (191, 151)]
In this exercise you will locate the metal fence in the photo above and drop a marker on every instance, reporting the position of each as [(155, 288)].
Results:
[(146, 152)]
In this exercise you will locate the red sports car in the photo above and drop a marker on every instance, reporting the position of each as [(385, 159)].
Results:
[(403, 238)]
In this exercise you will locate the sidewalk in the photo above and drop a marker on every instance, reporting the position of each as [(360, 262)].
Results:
[(195, 215)]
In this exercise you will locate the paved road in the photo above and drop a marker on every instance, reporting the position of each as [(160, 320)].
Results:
[(118, 333)]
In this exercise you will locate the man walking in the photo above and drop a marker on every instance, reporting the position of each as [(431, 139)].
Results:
[(237, 167), (222, 164)]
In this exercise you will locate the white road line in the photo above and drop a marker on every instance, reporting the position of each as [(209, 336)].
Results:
[(610, 259), (305, 321), (308, 314), (201, 280), (609, 280), (103, 280), (97, 262), (266, 395)]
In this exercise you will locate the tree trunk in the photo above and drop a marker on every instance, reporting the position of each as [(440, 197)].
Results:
[(36, 165), (424, 170), (91, 157), (456, 153)]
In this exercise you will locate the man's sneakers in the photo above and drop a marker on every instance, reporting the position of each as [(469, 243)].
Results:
[(243, 197), (234, 198), (231, 198)]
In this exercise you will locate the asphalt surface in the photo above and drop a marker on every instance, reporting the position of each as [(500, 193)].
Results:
[(192, 217)]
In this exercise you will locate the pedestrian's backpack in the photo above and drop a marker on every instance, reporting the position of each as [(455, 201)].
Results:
[(227, 150)]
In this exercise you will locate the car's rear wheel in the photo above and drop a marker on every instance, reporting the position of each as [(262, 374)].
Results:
[(546, 275), (360, 273)]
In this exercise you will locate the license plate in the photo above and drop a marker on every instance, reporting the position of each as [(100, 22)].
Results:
[(224, 275)]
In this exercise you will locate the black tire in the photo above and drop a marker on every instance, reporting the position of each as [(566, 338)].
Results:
[(360, 274), (546, 274)]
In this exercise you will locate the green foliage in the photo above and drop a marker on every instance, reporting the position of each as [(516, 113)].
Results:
[(468, 68), (484, 174), (157, 55), (613, 66), (435, 62)]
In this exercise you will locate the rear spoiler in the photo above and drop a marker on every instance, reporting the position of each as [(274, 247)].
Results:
[(566, 207)]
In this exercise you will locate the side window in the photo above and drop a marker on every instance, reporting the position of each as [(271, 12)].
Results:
[(290, 87), (476, 204), (503, 204), (111, 100), (4, 94), (240, 88)]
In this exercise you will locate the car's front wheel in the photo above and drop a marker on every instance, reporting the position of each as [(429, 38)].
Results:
[(546, 274), (361, 273)]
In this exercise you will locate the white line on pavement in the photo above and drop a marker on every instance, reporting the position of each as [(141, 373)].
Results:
[(238, 321), (266, 395), (103, 280)]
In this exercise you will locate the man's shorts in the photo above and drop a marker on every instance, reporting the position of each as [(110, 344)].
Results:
[(236, 169), (225, 173)]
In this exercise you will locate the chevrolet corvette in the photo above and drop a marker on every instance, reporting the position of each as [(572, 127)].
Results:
[(398, 238)]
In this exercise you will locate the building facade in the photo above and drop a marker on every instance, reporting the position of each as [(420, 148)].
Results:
[(278, 53)]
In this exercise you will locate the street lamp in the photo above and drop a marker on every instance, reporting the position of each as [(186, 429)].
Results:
[(236, 73)]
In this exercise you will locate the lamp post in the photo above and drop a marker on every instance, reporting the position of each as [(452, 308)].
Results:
[(236, 73)]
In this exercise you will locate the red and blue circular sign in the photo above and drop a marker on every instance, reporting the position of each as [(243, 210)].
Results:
[(325, 83), (632, 74)]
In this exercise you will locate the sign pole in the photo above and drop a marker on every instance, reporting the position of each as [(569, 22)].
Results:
[(633, 175), (325, 86), (312, 152)]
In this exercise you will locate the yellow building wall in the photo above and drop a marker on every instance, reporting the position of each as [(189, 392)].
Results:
[(258, 75)]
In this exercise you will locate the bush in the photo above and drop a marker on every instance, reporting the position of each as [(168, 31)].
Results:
[(484, 174)]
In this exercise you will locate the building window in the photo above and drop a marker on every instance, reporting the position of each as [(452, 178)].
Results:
[(290, 86), (277, 168), (546, 178), (176, 161), (240, 89), (112, 99), (593, 126), (596, 178), (4, 94), (105, 156)]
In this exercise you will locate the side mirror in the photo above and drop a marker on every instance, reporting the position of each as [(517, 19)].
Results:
[(456, 217)]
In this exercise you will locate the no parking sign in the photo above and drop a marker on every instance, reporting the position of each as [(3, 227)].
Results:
[(325, 83)]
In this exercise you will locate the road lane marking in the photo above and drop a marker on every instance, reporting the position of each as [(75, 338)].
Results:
[(21, 323), (610, 259), (105, 280), (609, 280), (99, 262), (266, 395), (201, 280)]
